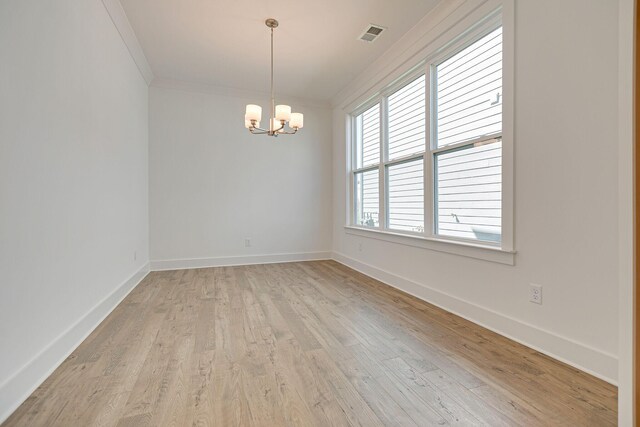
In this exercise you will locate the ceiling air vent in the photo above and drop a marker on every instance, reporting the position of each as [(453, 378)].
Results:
[(371, 33)]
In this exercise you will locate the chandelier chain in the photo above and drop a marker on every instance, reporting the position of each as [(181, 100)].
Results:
[(273, 102)]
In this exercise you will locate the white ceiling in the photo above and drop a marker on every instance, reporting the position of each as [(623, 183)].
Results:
[(225, 43)]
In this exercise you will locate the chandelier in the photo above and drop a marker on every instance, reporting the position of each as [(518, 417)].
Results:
[(280, 114)]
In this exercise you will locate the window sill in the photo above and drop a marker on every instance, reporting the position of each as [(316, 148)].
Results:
[(478, 251)]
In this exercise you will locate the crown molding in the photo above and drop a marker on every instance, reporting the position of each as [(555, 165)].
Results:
[(409, 50), (122, 24), (204, 88)]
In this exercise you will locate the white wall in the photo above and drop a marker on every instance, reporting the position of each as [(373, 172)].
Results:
[(73, 182), (212, 184), (74, 187), (566, 195), (626, 142)]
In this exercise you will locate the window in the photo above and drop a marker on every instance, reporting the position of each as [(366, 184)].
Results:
[(400, 159), (406, 195), (367, 189), (427, 153), (367, 156), (468, 141)]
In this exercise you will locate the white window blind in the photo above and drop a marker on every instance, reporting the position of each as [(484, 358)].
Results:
[(406, 196), (407, 116)]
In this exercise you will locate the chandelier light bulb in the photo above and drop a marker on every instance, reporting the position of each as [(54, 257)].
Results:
[(297, 121), (283, 112), (253, 112)]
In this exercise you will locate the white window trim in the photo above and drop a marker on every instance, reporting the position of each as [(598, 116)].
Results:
[(470, 249), (504, 252)]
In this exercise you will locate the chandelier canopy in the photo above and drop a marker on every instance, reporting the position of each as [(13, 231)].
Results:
[(280, 114)]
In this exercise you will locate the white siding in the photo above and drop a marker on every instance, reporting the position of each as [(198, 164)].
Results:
[(367, 198), (469, 91), (406, 196), (469, 192), (368, 139), (407, 116)]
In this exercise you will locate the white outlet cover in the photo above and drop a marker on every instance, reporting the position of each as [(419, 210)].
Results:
[(535, 293)]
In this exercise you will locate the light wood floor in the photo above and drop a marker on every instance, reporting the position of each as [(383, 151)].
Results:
[(303, 344)]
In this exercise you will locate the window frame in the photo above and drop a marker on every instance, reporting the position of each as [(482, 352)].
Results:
[(432, 143), (396, 162), (384, 161), (498, 18)]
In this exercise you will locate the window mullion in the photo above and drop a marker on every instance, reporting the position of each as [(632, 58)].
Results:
[(404, 159), (366, 169), (384, 138), (360, 197), (429, 175), (354, 123), (464, 144)]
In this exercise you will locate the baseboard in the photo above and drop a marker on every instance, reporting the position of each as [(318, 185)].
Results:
[(578, 355), (19, 387), (181, 264)]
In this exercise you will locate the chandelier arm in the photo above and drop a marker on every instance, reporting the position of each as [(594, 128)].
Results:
[(288, 132), (260, 131)]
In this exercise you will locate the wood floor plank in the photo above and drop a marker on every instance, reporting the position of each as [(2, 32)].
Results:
[(466, 399), (303, 344), (357, 411), (449, 409), (510, 405), (378, 399), (419, 411)]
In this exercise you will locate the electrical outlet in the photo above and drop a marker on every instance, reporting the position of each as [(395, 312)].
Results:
[(360, 247), (247, 242), (535, 293)]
